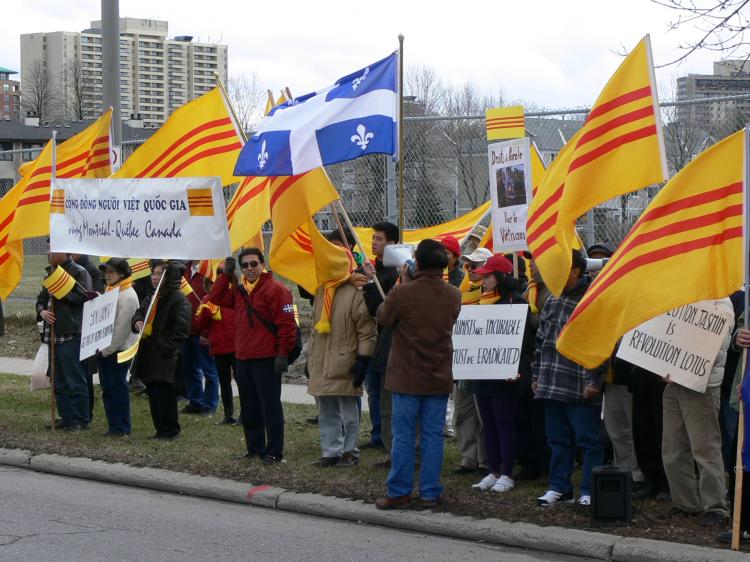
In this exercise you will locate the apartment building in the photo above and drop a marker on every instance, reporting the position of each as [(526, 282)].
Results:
[(730, 77), (10, 95), (158, 74)]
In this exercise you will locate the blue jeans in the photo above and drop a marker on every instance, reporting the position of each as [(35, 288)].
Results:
[(115, 393), (197, 364), (372, 384), (71, 388), (429, 412), (568, 425)]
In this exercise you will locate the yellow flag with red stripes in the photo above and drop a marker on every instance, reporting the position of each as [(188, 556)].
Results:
[(199, 139), (549, 243), (86, 155), (686, 247), (59, 283), (247, 212), (621, 146), (298, 250), (11, 251), (505, 123)]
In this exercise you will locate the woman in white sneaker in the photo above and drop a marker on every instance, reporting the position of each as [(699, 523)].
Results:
[(498, 401)]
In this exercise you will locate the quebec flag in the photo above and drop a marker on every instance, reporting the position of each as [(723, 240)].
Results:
[(358, 115)]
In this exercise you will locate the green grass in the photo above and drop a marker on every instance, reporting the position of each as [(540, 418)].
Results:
[(208, 449)]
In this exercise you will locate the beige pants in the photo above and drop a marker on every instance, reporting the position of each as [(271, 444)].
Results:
[(469, 432), (691, 435), (618, 419)]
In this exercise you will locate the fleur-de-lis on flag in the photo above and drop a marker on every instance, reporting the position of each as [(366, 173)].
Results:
[(357, 81), (362, 138), (263, 156)]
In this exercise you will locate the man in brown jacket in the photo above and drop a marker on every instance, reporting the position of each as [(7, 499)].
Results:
[(421, 312)]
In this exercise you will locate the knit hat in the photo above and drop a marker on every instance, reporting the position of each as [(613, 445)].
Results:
[(120, 265), (498, 263), (451, 244)]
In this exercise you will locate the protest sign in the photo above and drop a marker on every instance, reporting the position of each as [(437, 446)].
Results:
[(180, 218), (98, 323), (487, 341), (510, 189), (683, 343)]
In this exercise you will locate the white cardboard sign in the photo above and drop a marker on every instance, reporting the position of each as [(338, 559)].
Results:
[(98, 323), (510, 190), (179, 218), (683, 343), (487, 341)]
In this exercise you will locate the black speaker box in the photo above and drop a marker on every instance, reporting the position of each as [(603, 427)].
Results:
[(611, 500)]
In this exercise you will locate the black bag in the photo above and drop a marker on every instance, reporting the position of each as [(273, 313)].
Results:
[(271, 327)]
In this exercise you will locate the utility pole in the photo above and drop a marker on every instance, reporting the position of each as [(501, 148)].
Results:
[(111, 68)]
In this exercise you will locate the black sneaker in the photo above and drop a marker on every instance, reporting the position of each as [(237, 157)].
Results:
[(192, 409), (712, 519), (676, 513), (228, 420), (270, 459), (725, 537)]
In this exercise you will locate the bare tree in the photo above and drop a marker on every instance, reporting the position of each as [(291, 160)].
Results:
[(248, 100), (721, 25), (80, 92), (39, 95)]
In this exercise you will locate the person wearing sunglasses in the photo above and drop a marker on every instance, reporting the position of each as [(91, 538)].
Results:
[(265, 335)]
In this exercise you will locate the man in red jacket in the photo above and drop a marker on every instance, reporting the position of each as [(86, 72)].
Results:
[(265, 334)]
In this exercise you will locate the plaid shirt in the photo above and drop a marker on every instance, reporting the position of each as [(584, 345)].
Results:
[(59, 338), (557, 377)]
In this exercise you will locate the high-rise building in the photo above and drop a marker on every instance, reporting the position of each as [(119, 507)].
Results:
[(157, 74), (10, 95), (730, 77)]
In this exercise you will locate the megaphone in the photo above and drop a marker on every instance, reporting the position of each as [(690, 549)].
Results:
[(595, 265)]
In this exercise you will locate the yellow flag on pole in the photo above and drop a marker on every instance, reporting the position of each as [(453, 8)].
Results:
[(11, 251), (199, 139), (59, 283), (86, 155), (686, 247)]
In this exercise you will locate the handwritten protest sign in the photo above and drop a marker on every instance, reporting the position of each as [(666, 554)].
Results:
[(180, 218), (98, 323), (487, 341), (510, 189), (683, 343)]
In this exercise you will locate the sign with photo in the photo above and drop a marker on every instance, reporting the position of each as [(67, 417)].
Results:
[(510, 190)]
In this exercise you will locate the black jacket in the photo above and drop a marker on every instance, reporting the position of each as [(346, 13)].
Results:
[(69, 309), (97, 279), (158, 353), (388, 276)]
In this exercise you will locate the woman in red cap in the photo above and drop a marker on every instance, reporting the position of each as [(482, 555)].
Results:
[(498, 400)]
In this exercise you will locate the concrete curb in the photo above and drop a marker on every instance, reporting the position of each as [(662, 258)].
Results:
[(494, 531)]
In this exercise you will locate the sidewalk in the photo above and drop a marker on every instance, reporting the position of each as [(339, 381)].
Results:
[(290, 393)]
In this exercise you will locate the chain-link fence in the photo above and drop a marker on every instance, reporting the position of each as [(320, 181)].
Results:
[(446, 173)]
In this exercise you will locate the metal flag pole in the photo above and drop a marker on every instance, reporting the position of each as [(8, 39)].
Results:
[(738, 469), (401, 136), (53, 405)]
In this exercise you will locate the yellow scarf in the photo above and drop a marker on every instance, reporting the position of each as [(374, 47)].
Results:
[(323, 326), (532, 296), (472, 293), (489, 297), (149, 326), (122, 285), (249, 287)]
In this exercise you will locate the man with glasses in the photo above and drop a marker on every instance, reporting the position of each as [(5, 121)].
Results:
[(265, 335)]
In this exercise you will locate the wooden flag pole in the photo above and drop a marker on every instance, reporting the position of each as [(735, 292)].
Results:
[(401, 136), (738, 469), (53, 405), (230, 107)]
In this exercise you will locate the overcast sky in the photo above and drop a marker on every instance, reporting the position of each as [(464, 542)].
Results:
[(550, 53)]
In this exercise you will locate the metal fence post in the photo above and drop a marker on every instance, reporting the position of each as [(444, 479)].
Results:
[(391, 199)]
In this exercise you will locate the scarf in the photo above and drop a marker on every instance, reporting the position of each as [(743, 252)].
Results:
[(148, 327), (122, 285), (249, 287), (532, 295), (472, 293), (489, 297), (323, 326)]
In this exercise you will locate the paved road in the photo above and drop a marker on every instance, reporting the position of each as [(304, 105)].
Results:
[(46, 517)]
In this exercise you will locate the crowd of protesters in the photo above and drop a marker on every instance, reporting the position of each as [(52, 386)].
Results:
[(389, 330)]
